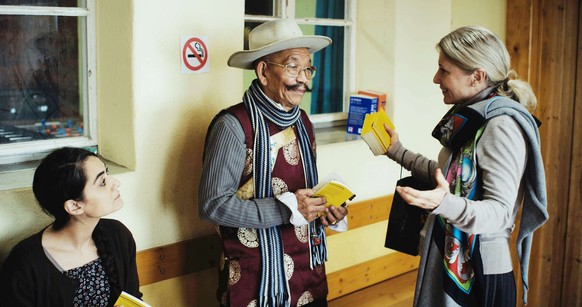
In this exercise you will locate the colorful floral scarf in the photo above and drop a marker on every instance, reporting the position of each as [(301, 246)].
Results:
[(460, 129)]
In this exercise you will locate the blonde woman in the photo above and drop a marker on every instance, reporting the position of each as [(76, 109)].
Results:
[(490, 163)]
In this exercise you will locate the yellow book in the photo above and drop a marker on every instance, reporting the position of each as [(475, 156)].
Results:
[(374, 133), (334, 190), (127, 300)]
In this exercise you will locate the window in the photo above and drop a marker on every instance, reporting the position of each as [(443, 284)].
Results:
[(327, 103), (47, 85)]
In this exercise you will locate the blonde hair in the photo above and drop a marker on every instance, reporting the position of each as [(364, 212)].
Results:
[(475, 47)]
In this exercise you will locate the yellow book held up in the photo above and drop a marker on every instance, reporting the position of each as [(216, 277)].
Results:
[(334, 190), (127, 300), (374, 133)]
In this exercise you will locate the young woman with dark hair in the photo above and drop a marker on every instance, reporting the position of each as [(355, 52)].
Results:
[(81, 259)]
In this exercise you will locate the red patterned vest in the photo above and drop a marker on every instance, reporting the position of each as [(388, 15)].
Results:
[(240, 265)]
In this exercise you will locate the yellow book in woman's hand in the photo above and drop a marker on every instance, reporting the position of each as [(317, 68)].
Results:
[(374, 133)]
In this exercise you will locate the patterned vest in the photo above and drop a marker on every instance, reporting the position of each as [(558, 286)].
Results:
[(240, 264)]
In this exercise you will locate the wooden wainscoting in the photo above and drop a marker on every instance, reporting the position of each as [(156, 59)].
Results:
[(177, 259), (190, 256), (369, 273)]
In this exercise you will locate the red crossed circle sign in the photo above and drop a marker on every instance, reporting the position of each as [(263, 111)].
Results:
[(194, 54)]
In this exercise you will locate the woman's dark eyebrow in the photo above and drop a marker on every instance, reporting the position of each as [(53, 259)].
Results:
[(98, 175)]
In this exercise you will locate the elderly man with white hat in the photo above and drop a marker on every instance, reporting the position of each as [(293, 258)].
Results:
[(259, 168)]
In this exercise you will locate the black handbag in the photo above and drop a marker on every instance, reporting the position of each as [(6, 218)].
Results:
[(406, 221)]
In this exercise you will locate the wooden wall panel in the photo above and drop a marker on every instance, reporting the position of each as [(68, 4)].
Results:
[(369, 273), (517, 35), (572, 282), (545, 260), (553, 64), (367, 212), (518, 42), (542, 38), (177, 259)]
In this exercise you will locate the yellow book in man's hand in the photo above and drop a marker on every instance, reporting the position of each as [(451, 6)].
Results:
[(374, 133), (127, 300), (334, 190)]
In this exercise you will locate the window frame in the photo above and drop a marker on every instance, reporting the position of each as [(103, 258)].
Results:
[(23, 153), (286, 9)]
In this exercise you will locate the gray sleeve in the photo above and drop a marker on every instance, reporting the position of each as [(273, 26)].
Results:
[(223, 165), (421, 167), (501, 157)]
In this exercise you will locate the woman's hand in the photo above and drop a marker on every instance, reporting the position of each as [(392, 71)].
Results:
[(333, 215), (393, 136), (428, 200), (310, 207)]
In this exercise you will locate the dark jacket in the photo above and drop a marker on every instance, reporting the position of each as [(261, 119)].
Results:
[(29, 278)]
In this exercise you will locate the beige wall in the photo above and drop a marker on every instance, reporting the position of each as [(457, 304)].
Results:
[(153, 118), (171, 112), (490, 14)]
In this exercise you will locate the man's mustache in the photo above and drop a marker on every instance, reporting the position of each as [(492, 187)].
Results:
[(297, 86)]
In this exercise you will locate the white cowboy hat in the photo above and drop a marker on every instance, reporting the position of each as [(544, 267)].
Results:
[(273, 36)]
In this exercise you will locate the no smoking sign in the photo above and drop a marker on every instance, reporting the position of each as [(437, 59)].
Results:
[(194, 54)]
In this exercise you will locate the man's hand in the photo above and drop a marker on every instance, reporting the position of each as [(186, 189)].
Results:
[(333, 215), (428, 200), (310, 207)]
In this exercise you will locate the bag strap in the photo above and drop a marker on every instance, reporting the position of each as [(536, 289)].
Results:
[(402, 161), (427, 167)]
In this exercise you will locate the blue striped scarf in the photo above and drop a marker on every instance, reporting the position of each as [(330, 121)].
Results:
[(274, 288)]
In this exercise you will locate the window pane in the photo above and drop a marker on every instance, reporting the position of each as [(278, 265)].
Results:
[(248, 75), (333, 9), (328, 84), (249, 26), (40, 82), (61, 3), (259, 7)]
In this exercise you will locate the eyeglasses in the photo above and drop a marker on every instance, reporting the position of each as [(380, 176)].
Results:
[(293, 69)]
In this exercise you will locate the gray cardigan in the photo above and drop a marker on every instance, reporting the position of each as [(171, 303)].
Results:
[(534, 213)]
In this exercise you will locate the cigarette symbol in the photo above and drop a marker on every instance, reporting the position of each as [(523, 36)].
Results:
[(199, 50)]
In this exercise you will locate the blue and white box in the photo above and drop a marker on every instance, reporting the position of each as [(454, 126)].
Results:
[(360, 105)]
